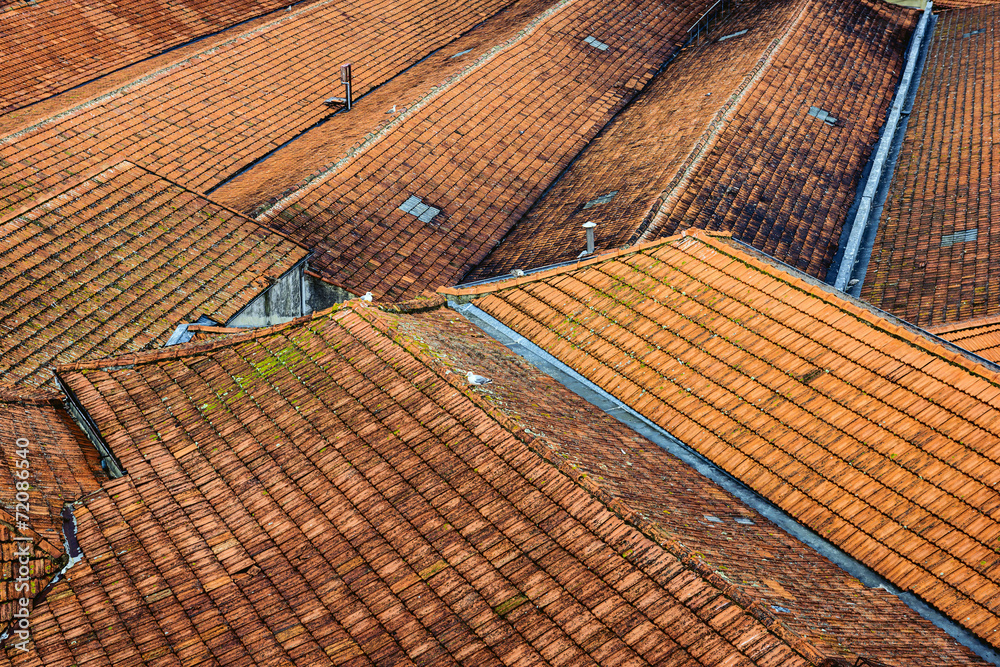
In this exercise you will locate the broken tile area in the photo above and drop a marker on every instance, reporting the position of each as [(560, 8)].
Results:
[(115, 263), (318, 492), (881, 441), (761, 127), (934, 259)]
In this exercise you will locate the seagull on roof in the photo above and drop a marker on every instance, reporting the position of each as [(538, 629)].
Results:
[(477, 380), (367, 297)]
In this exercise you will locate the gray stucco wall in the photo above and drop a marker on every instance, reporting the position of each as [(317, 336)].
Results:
[(281, 302)]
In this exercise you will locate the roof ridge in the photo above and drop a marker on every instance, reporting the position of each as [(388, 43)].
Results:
[(651, 529), (194, 347), (971, 323), (562, 267), (29, 396)]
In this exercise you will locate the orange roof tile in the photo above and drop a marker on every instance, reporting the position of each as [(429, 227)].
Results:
[(981, 335), (724, 139), (42, 447), (52, 45), (117, 262), (934, 259), (471, 154), (316, 492), (200, 120), (786, 579), (880, 440)]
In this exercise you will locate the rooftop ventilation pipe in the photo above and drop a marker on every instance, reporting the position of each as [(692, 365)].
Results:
[(345, 78), (589, 226)]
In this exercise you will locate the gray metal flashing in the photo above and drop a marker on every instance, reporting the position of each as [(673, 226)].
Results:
[(880, 163), (604, 401), (732, 34)]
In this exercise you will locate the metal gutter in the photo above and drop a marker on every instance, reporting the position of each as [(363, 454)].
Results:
[(601, 399), (881, 163)]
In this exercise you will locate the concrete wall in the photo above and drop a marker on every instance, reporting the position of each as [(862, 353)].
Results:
[(281, 302), (320, 295)]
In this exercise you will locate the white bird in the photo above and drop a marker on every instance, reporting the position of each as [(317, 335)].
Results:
[(367, 297), (477, 380), (517, 273)]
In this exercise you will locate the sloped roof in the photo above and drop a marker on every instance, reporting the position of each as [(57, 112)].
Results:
[(48, 46), (981, 335), (117, 262), (879, 440), (60, 465), (730, 138), (316, 491), (935, 255), (785, 579), (200, 120), (422, 199)]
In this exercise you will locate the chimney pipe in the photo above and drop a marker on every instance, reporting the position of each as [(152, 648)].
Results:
[(345, 78), (589, 226)]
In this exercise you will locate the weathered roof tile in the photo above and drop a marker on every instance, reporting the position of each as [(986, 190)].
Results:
[(837, 419), (116, 263)]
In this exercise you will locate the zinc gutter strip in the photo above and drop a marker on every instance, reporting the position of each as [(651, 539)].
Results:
[(604, 401), (862, 219)]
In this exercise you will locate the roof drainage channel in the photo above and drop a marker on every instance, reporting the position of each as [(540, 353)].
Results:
[(858, 237), (599, 398)]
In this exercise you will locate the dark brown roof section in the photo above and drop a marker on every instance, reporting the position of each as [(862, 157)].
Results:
[(48, 46), (761, 128), (935, 258), (202, 119), (117, 262), (981, 335), (785, 578), (42, 449), (316, 493), (419, 202)]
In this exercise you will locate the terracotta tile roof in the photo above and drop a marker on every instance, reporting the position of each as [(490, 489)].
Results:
[(200, 120), (61, 466), (117, 262), (934, 258), (724, 139), (420, 201), (49, 46), (316, 492), (786, 579), (881, 441), (981, 335)]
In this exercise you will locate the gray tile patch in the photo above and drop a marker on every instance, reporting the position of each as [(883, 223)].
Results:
[(597, 44), (744, 521), (713, 519), (603, 199), (462, 53), (733, 34), (822, 115), (974, 32), (416, 207), (963, 236)]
